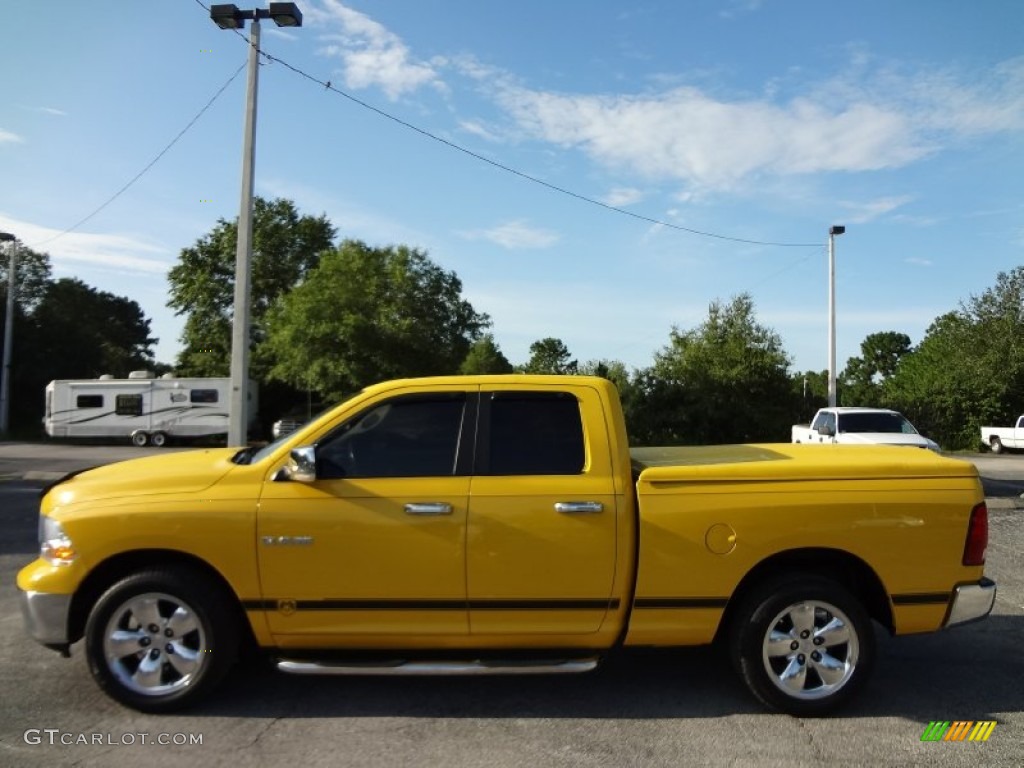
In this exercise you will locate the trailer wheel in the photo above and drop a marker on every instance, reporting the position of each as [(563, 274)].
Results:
[(139, 439), (158, 439), (803, 644), (995, 444)]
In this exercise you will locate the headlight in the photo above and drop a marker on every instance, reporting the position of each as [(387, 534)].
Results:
[(54, 545)]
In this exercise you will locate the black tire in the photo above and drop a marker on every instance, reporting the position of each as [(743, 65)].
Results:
[(140, 439), (158, 439), (791, 679), (996, 445), (178, 621)]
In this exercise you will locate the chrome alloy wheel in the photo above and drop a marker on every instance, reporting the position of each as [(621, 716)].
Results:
[(154, 644), (810, 650)]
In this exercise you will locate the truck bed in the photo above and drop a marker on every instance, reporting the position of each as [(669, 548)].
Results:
[(785, 461)]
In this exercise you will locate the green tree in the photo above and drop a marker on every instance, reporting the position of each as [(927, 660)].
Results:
[(485, 356), (286, 246), (31, 280), (85, 332), (864, 378), (810, 390), (550, 356), (969, 368), (731, 375), (73, 331), (368, 314)]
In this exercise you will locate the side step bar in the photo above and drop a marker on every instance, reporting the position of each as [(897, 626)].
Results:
[(427, 668)]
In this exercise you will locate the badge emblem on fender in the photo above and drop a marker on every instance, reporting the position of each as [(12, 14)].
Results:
[(286, 607)]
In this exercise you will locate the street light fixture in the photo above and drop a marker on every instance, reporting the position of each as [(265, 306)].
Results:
[(228, 16), (832, 232), (5, 383)]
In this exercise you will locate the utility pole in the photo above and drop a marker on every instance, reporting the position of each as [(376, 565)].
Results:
[(5, 383), (832, 232), (228, 16)]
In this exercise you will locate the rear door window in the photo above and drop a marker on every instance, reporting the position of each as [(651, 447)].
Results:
[(533, 433)]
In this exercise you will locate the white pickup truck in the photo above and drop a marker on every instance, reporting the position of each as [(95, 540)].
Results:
[(861, 426), (1000, 439)]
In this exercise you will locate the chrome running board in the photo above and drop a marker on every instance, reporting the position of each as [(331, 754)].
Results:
[(427, 668)]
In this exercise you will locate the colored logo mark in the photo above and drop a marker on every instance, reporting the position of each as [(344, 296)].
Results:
[(959, 730)]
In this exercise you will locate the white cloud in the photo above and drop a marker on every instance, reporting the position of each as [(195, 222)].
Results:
[(861, 213), (919, 262), (477, 129), (686, 135), (281, 34), (739, 7), (47, 110), (622, 196), (868, 118), (6, 137), (514, 235), (71, 251), (371, 54), (864, 120)]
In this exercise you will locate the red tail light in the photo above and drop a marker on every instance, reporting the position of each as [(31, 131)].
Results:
[(977, 536)]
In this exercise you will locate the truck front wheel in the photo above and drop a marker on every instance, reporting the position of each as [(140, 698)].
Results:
[(159, 640), (803, 645)]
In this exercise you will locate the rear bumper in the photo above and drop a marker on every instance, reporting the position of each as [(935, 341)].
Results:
[(971, 602)]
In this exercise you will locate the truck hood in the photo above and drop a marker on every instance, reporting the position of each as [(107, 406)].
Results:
[(185, 472), (886, 438)]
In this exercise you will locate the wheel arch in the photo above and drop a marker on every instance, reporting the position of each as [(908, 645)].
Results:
[(846, 569), (116, 567)]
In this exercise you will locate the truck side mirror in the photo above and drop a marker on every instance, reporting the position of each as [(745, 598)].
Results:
[(827, 430), (302, 464)]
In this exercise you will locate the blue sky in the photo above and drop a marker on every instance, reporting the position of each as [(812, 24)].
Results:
[(757, 120)]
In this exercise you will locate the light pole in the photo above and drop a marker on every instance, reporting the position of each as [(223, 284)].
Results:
[(832, 232), (5, 384), (228, 16)]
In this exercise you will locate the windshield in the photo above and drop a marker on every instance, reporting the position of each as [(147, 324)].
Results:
[(890, 422)]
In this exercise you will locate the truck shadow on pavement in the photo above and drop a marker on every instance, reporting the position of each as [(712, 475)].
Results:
[(968, 673)]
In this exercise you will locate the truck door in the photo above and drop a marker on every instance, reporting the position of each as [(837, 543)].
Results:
[(376, 544), (541, 539)]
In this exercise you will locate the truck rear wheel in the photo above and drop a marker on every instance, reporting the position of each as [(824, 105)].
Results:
[(159, 640), (803, 645), (996, 445)]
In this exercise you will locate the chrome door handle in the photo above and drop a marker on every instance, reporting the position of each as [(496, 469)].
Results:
[(577, 507), (428, 508)]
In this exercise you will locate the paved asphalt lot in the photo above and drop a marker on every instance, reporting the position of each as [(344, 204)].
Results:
[(664, 708)]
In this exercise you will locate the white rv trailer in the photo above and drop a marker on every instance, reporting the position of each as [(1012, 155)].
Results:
[(142, 408)]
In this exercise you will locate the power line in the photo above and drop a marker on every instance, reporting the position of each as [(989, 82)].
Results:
[(151, 163), (328, 86)]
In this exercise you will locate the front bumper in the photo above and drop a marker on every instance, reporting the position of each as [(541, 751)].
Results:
[(46, 617), (971, 602)]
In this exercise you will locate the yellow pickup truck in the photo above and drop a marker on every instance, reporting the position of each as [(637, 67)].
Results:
[(501, 524)]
